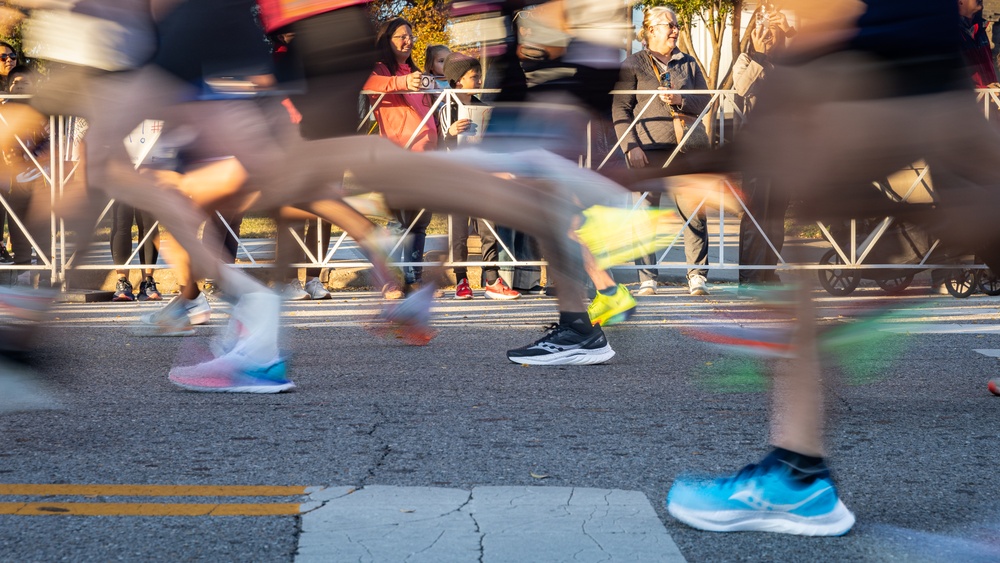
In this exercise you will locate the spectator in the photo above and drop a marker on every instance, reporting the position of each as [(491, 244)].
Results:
[(765, 205), (8, 60), (976, 44), (400, 117), (25, 179), (465, 73), (122, 218), (434, 58), (661, 65)]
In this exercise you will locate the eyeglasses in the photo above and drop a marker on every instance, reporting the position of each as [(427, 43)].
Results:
[(671, 25), (4, 57), (404, 38)]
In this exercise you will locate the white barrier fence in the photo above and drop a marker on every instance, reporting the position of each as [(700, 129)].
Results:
[(852, 251)]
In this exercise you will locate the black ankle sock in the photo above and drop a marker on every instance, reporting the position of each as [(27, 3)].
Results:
[(608, 291), (579, 322), (803, 467)]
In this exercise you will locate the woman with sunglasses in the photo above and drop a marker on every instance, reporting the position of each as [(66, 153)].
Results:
[(8, 60), (399, 118), (661, 65)]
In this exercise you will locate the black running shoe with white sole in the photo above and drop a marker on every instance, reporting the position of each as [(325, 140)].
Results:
[(564, 346)]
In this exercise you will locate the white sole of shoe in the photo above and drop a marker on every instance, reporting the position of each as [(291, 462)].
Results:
[(836, 523), (501, 297), (569, 358), (199, 318), (259, 389)]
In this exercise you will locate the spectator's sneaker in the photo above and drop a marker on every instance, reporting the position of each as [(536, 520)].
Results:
[(293, 291), (462, 289), (500, 290), (123, 291), (697, 285), (5, 257), (763, 498), (564, 346), (171, 320), (148, 290), (315, 289), (392, 292), (607, 310), (647, 287), (409, 320), (994, 386), (199, 311), (233, 373), (211, 289)]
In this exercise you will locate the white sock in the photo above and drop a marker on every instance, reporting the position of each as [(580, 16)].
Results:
[(258, 315)]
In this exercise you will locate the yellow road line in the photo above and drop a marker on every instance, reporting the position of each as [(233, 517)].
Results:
[(152, 490), (145, 509)]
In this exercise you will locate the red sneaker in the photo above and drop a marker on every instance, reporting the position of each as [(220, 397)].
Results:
[(500, 290), (462, 289)]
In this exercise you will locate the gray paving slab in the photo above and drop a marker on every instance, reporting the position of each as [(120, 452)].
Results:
[(489, 524)]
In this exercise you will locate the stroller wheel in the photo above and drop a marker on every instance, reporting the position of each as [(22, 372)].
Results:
[(989, 283), (962, 283), (895, 286), (837, 281)]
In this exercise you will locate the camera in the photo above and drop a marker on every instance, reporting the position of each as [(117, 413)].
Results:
[(427, 81)]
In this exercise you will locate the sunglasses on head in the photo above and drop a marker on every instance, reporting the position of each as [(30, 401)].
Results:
[(4, 57)]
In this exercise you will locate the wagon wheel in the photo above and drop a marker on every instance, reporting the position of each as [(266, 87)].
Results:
[(895, 285), (989, 283), (962, 283), (837, 281)]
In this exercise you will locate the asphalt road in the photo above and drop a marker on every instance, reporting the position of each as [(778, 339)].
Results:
[(913, 437)]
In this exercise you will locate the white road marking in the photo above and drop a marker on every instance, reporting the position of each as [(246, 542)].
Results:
[(489, 524)]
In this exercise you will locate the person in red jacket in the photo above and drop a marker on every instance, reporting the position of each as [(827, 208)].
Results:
[(405, 119)]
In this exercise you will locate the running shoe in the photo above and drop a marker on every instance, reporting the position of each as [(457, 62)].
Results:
[(564, 346), (500, 290), (762, 498), (647, 287), (5, 257), (392, 292), (26, 304), (315, 289), (408, 320), (123, 291), (148, 290), (462, 290), (233, 373), (211, 289), (607, 310), (20, 390), (171, 320), (697, 285), (199, 311), (293, 291), (994, 386)]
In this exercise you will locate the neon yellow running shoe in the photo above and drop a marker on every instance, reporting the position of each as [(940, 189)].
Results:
[(617, 236), (607, 310)]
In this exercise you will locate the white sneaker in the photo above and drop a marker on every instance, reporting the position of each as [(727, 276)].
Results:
[(315, 289), (698, 285), (199, 311), (647, 287), (171, 320), (293, 291)]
